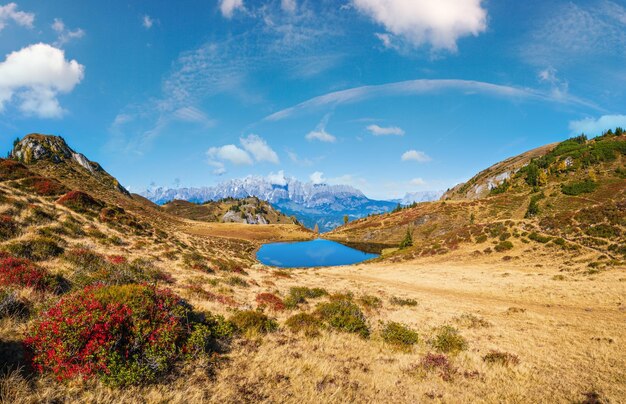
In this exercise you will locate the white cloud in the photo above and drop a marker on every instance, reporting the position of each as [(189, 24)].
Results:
[(424, 86), (147, 21), (384, 131), (65, 35), (10, 13), (288, 5), (230, 153), (559, 87), (591, 126), (192, 114), (386, 39), (317, 178), (320, 132), (417, 182), (414, 155), (321, 135), (259, 149), (571, 32), (278, 178), (439, 23), (218, 166), (36, 75), (228, 7)]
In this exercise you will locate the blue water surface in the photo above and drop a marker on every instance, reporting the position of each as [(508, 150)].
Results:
[(314, 253)]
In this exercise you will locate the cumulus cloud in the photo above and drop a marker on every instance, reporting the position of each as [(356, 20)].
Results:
[(36, 75), (414, 155), (591, 126), (10, 13), (317, 178), (385, 131), (278, 178), (259, 149), (65, 35), (438, 23), (147, 21), (230, 153), (228, 7), (253, 148)]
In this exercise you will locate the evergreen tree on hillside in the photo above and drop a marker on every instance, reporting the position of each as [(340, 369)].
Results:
[(408, 239)]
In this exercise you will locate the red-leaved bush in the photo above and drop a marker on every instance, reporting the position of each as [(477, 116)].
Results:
[(271, 301), (21, 272), (117, 259), (124, 334), (80, 202)]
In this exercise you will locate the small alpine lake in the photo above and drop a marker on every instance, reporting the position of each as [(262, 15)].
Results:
[(306, 254)]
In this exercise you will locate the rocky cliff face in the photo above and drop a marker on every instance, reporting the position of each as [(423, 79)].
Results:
[(38, 149)]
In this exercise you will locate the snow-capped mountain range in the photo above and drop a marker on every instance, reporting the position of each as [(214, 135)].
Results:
[(321, 204)]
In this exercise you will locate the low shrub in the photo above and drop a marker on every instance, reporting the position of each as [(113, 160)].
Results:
[(503, 246), (208, 336), (22, 272), (399, 301), (12, 170), (122, 334), (501, 358), (343, 315), (534, 236), (43, 186), (37, 249), (304, 323), (8, 228), (578, 188), (271, 301), (398, 334), (481, 238), (236, 281), (603, 230), (432, 362), (80, 202), (253, 322), (298, 295), (91, 268), (370, 302), (39, 216), (472, 321), (448, 340)]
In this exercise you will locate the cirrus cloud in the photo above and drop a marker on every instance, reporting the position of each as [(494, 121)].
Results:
[(437, 23), (36, 75)]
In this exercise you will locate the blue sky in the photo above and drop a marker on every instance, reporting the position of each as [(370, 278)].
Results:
[(388, 96)]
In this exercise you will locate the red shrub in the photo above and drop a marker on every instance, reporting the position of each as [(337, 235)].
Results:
[(22, 273), (124, 334), (80, 202), (274, 302), (12, 170), (117, 259), (43, 186)]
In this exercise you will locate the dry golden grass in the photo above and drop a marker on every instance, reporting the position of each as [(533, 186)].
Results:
[(565, 325)]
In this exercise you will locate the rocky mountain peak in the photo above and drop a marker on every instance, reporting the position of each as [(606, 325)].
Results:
[(36, 147)]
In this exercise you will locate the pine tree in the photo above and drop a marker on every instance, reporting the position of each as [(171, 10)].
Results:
[(408, 239), (346, 219), (316, 229)]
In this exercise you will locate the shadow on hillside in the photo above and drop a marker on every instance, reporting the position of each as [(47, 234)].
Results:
[(13, 357)]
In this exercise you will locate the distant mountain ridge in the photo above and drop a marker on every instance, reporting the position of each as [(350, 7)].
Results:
[(321, 204)]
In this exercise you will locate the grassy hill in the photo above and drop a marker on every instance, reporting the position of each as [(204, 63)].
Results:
[(229, 210), (567, 198)]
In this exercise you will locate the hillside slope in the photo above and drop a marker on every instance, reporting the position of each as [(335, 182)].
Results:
[(250, 210), (568, 197)]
